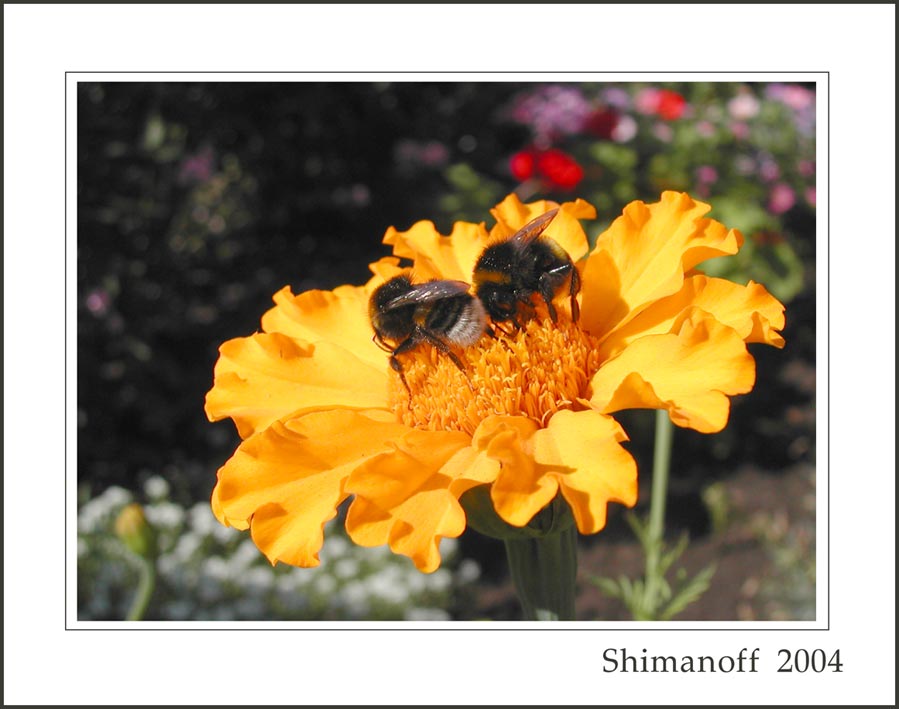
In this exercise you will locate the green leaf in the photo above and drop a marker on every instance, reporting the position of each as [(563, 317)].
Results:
[(689, 593), (673, 554), (638, 526), (608, 586)]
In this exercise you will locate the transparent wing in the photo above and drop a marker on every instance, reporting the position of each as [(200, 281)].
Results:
[(428, 293), (534, 228)]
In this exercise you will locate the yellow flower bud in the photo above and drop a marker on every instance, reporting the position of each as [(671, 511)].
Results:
[(132, 528)]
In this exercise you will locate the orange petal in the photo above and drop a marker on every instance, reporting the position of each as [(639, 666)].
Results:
[(754, 313), (511, 214), (437, 256), (384, 269), (643, 256), (288, 480), (218, 510), (264, 377), (339, 317), (521, 489), (582, 451), (690, 372), (404, 496)]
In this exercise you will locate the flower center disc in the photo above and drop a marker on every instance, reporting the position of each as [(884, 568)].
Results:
[(534, 372)]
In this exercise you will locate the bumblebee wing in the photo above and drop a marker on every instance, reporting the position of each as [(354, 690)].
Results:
[(428, 293), (533, 229)]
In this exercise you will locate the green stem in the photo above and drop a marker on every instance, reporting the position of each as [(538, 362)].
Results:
[(544, 570), (660, 467), (145, 587)]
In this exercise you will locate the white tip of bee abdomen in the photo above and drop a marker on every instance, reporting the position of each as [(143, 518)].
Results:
[(470, 326)]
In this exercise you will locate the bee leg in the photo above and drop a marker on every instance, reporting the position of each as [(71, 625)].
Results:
[(545, 286), (445, 349), (574, 288), (458, 362), (404, 346), (398, 368), (440, 345), (496, 326), (380, 343)]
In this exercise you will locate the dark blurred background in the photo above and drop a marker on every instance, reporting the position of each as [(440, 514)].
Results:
[(197, 202)]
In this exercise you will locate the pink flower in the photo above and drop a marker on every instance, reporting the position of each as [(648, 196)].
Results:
[(625, 130), (796, 97), (706, 174), (781, 198), (743, 107), (666, 104), (740, 130), (98, 302), (197, 167), (705, 128), (663, 132), (769, 171), (552, 111), (810, 196), (646, 101)]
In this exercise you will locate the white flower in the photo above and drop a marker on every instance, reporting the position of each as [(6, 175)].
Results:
[(164, 515), (388, 585), (355, 598), (156, 488), (259, 579), (324, 585), (440, 580), (468, 571), (202, 520), (346, 568)]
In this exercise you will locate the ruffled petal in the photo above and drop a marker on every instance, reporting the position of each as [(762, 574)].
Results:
[(511, 214), (690, 372), (339, 317), (383, 269), (264, 377), (287, 481), (751, 310), (521, 489), (643, 256), (218, 510), (405, 497), (581, 449), (437, 256), (578, 452)]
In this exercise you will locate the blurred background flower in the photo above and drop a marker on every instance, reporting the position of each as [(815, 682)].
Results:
[(197, 201)]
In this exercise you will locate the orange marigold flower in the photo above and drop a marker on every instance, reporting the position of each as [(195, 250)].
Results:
[(324, 417)]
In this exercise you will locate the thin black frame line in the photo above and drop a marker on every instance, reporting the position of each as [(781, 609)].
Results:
[(65, 347), (828, 348), (65, 392), (442, 71)]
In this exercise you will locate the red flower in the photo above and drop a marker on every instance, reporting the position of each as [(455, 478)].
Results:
[(671, 105), (602, 122), (522, 165), (556, 168), (560, 169)]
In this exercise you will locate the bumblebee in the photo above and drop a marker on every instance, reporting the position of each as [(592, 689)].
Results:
[(442, 313), (508, 274)]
